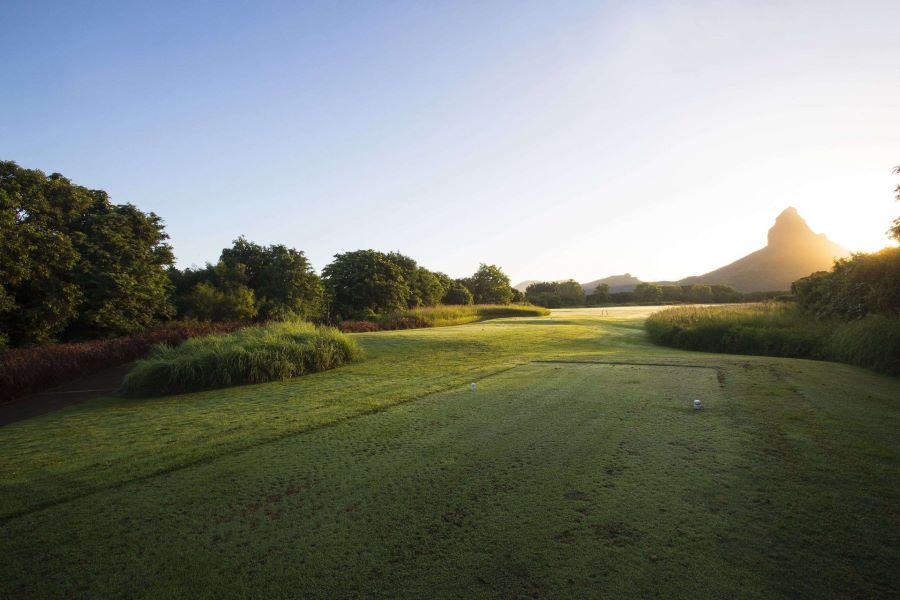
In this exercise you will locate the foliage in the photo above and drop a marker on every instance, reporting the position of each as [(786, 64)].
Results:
[(780, 329), (206, 302), (489, 285), (28, 370), (857, 286), (457, 293), (74, 264), (555, 294), (365, 280), (424, 287), (251, 281), (254, 355), (121, 270), (600, 295), (648, 292)]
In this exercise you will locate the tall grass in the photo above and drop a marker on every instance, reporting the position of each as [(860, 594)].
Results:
[(779, 329), (872, 342), (443, 315), (274, 352), (28, 370)]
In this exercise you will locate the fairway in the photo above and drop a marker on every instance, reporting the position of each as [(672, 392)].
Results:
[(577, 468)]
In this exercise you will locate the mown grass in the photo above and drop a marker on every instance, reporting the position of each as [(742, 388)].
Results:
[(274, 352), (780, 329), (388, 478)]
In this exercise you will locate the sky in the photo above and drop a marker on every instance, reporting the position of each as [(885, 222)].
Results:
[(554, 139)]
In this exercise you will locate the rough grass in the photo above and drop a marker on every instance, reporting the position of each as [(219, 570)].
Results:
[(388, 478), (779, 329), (275, 352)]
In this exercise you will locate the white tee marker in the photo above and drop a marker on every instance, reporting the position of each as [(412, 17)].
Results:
[(697, 405)]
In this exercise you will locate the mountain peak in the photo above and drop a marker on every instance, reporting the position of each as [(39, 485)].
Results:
[(789, 228)]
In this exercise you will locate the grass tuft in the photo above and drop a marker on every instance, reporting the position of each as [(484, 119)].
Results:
[(275, 352)]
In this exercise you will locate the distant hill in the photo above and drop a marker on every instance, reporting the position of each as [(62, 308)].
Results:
[(793, 251), (616, 283), (524, 285)]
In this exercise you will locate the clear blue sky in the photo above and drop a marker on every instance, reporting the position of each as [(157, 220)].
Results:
[(556, 139)]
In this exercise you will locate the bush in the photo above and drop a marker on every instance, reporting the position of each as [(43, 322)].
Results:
[(28, 370), (274, 352)]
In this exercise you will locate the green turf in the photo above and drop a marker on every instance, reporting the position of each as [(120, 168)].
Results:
[(389, 478)]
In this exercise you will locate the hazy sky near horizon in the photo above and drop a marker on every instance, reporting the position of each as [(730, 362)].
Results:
[(570, 139)]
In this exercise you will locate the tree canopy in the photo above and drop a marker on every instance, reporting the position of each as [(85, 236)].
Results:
[(72, 264), (489, 285)]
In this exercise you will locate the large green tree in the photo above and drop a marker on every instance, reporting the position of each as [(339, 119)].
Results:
[(365, 282), (489, 285), (74, 264), (425, 288), (282, 279)]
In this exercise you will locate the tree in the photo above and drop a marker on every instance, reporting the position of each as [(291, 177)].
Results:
[(365, 281), (74, 264), (209, 303), (457, 293), (600, 295), (123, 257), (672, 293), (544, 293), (489, 285), (281, 278), (724, 293), (425, 288), (697, 293), (570, 293), (648, 292), (553, 294)]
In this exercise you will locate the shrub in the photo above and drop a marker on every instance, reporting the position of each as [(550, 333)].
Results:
[(275, 352), (28, 370)]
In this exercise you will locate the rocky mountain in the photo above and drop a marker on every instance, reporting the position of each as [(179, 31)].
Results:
[(793, 251)]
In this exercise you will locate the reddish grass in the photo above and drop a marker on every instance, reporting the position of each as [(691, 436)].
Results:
[(390, 324), (28, 370)]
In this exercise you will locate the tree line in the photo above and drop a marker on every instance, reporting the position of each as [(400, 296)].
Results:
[(75, 266), (552, 294)]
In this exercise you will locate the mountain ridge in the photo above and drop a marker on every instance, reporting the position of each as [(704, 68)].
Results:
[(792, 251)]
